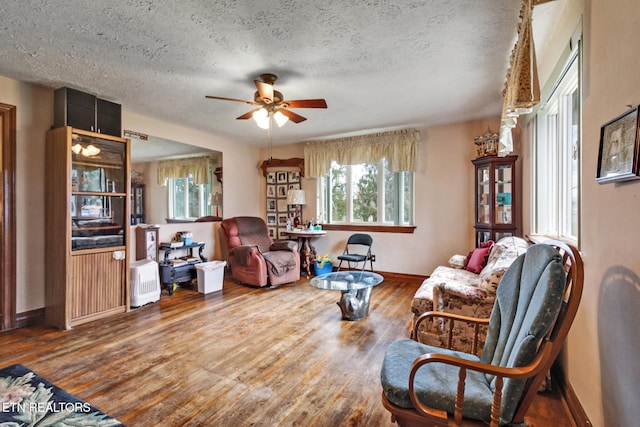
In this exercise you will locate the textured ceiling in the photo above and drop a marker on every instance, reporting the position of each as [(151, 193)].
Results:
[(380, 64)]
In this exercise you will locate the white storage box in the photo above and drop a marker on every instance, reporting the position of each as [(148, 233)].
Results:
[(145, 282), (210, 276)]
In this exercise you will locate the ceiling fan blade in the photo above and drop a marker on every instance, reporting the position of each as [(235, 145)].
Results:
[(306, 103), (230, 99), (247, 115), (295, 118), (265, 90)]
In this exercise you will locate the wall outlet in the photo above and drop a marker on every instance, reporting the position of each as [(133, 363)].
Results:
[(373, 258)]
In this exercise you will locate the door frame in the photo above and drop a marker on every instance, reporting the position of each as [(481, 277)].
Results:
[(8, 219)]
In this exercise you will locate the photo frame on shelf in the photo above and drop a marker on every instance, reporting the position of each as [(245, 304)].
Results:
[(618, 153), (278, 211)]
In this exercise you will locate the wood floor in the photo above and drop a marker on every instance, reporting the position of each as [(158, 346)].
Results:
[(239, 357)]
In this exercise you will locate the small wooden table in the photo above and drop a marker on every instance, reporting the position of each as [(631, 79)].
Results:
[(304, 247)]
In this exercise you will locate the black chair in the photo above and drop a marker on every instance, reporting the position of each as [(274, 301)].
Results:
[(354, 251)]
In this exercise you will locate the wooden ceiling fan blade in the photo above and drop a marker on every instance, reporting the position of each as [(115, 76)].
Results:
[(230, 99), (295, 118), (247, 115), (306, 103), (265, 90)]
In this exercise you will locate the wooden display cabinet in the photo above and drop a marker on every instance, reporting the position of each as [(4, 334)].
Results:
[(87, 223), (137, 204), (496, 206)]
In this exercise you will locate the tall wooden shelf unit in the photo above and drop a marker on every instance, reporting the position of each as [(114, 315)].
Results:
[(496, 203), (87, 226)]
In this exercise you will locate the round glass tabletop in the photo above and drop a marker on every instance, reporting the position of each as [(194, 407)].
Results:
[(347, 280)]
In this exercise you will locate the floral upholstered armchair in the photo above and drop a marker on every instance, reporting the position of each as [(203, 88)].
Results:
[(467, 287)]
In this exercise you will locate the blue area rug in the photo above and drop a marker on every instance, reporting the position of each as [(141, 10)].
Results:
[(27, 399)]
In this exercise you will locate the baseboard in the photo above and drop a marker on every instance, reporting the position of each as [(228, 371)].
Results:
[(402, 276), (390, 275), (30, 318), (570, 398)]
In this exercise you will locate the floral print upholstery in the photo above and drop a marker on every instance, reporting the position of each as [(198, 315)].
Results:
[(455, 290)]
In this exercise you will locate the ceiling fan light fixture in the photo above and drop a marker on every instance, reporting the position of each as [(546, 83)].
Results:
[(261, 117), (280, 118)]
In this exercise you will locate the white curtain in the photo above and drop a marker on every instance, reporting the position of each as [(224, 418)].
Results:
[(198, 167), (398, 147), (522, 87)]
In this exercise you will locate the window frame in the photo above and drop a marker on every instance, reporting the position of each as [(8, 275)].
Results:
[(398, 225), (204, 195), (554, 168)]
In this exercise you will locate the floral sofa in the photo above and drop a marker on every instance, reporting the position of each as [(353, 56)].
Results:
[(455, 289)]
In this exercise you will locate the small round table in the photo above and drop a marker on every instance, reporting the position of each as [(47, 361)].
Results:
[(304, 247), (356, 287)]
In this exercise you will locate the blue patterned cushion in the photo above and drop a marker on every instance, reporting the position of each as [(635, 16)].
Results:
[(436, 383)]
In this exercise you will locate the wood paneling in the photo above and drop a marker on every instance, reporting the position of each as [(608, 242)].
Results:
[(242, 356), (95, 284)]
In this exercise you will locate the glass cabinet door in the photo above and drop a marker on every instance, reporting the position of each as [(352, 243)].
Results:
[(484, 195), (503, 194), (98, 192)]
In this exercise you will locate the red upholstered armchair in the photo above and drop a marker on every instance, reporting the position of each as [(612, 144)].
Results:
[(254, 258)]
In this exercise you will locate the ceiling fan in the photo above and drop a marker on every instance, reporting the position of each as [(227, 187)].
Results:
[(271, 103)]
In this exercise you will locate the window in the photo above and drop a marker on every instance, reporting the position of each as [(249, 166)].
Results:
[(188, 200), (366, 193), (557, 158)]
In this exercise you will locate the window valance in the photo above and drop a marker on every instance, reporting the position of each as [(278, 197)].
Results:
[(522, 88), (198, 167), (398, 147)]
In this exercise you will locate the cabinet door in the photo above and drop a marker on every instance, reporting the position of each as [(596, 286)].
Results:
[(503, 211), (483, 193), (98, 192), (74, 108), (108, 117), (97, 285)]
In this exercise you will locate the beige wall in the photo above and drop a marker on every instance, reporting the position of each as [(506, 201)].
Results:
[(601, 356), (34, 115), (443, 202)]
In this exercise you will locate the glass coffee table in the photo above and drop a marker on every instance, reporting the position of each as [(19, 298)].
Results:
[(356, 287)]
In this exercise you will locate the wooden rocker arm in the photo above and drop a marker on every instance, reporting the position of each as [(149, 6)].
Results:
[(499, 372)]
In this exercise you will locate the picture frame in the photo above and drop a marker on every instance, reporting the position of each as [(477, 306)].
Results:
[(618, 152), (271, 191)]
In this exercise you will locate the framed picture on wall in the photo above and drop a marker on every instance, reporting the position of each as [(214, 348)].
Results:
[(618, 153), (282, 191)]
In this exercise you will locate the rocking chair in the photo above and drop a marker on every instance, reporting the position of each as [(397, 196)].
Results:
[(536, 303)]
